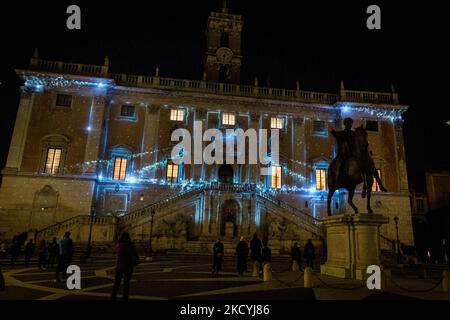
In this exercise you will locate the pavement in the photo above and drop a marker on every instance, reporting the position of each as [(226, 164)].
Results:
[(188, 277)]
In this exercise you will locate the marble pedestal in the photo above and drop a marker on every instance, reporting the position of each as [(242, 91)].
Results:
[(352, 244)]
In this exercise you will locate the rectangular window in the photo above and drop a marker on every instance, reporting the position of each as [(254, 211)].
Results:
[(420, 205), (372, 126), (120, 169), (375, 186), (319, 128), (63, 100), (321, 179), (228, 119), (53, 160), (276, 123), (172, 173), (275, 177), (177, 115), (127, 111)]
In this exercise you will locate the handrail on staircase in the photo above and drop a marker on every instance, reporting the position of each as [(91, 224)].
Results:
[(156, 205)]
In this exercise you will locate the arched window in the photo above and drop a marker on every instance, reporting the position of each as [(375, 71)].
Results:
[(53, 154)]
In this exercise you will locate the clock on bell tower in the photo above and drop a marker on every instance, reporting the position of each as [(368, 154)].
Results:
[(223, 47)]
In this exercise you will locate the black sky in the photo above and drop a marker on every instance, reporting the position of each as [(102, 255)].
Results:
[(316, 43)]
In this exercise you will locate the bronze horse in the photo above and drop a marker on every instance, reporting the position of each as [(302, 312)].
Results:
[(357, 168)]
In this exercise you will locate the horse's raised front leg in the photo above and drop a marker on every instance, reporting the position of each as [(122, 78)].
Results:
[(330, 195), (351, 193)]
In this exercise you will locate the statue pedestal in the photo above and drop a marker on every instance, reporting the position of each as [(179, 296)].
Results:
[(229, 230), (352, 244)]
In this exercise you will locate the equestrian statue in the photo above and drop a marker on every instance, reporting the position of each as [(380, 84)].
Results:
[(352, 165)]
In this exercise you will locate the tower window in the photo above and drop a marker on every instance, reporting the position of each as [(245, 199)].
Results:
[(172, 173), (53, 160), (176, 114), (319, 128), (275, 177), (228, 119), (63, 100), (120, 169), (420, 205), (276, 123), (321, 179), (225, 39), (372, 125), (127, 111), (375, 186)]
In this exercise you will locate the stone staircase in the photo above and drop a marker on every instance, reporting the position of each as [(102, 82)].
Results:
[(294, 215)]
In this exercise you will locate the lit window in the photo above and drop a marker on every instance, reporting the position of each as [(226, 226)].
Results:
[(276, 123), (276, 177), (375, 186), (63, 100), (177, 115), (319, 128), (53, 160), (228, 119), (172, 173), (321, 179), (127, 111), (120, 169)]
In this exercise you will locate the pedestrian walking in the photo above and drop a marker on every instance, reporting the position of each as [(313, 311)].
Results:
[(53, 253), (242, 256), (15, 250), (217, 257), (296, 256), (255, 251), (66, 252), (42, 261), (29, 251), (127, 259), (309, 254), (266, 254)]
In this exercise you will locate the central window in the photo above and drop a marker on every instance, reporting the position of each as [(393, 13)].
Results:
[(53, 160), (228, 119), (319, 128), (120, 169), (276, 123), (176, 115), (127, 111), (321, 179), (63, 100), (172, 173), (275, 177)]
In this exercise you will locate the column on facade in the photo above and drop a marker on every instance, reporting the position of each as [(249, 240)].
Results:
[(253, 168), (206, 213), (196, 168), (299, 147), (400, 157), (215, 214), (151, 144), (19, 137), (93, 143)]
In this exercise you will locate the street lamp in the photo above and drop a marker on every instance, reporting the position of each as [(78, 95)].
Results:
[(150, 248), (399, 257), (89, 246)]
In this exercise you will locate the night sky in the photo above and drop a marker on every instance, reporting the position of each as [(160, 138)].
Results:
[(317, 43)]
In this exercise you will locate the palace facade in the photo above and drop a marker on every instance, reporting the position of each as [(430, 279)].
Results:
[(89, 143)]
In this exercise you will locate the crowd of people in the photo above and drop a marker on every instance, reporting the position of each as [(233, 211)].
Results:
[(60, 252), (260, 255)]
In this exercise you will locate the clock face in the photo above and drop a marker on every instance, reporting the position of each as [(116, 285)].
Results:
[(224, 55)]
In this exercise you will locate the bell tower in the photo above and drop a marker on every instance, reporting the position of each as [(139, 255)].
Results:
[(223, 47)]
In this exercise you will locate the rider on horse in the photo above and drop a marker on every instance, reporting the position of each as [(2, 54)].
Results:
[(345, 140)]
